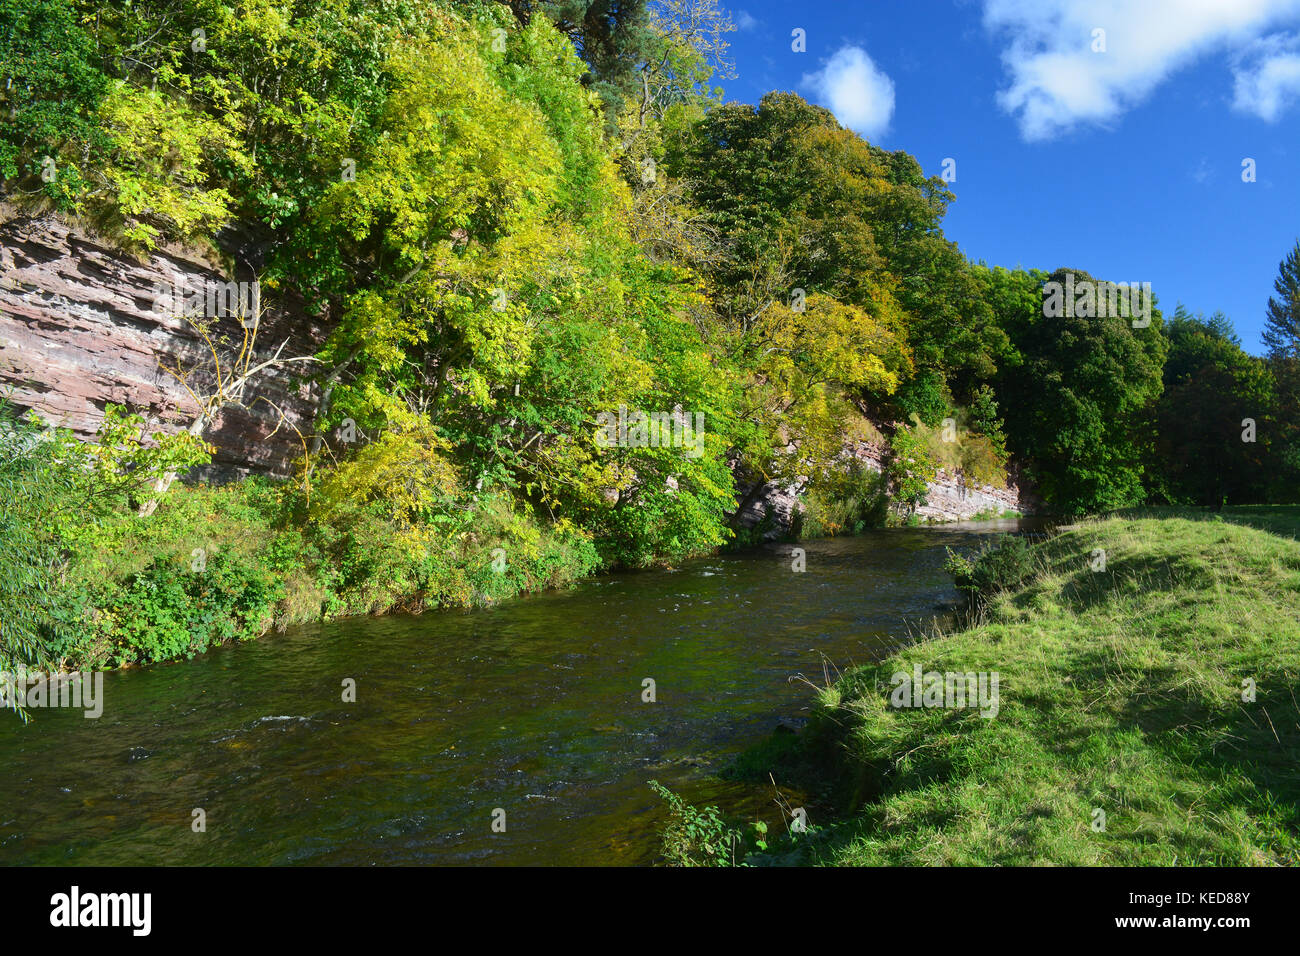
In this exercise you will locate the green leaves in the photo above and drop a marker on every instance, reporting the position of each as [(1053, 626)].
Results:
[(171, 609), (1077, 396), (50, 88)]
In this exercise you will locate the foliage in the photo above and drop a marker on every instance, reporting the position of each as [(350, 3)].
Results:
[(1281, 335), (911, 468), (958, 447), (171, 609), (1077, 400), (155, 177), (1211, 389), (698, 837), (41, 492), (848, 500), (56, 489), (999, 566), (50, 90)]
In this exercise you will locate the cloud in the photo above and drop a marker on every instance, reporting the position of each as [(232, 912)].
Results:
[(1057, 81), (744, 21), (852, 87), (1267, 78)]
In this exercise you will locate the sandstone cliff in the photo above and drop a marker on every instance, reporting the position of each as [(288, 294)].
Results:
[(81, 326)]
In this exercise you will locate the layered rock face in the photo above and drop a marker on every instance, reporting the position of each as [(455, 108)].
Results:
[(83, 325)]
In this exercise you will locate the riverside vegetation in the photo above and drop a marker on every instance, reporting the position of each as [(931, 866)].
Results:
[(509, 240), (1148, 713)]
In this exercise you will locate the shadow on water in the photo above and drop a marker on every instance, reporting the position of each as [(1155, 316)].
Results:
[(534, 707)]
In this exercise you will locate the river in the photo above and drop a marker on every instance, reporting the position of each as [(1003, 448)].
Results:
[(533, 707)]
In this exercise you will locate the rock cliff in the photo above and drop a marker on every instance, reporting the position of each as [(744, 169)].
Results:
[(81, 325), (949, 498)]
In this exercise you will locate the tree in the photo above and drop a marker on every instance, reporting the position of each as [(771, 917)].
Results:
[(614, 37), (798, 201), (1077, 397), (1211, 388), (911, 468), (50, 90), (1281, 335), (52, 487)]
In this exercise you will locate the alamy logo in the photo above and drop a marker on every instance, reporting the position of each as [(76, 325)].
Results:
[(34, 690), (1086, 299), (241, 300), (651, 430), (949, 689), (102, 909)]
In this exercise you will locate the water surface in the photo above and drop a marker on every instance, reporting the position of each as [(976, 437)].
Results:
[(534, 707)]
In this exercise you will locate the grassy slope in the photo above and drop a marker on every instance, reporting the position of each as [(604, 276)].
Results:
[(1120, 690), (1279, 519)]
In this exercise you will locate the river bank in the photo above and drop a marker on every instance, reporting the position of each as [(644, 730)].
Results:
[(535, 706), (1148, 667), (216, 564)]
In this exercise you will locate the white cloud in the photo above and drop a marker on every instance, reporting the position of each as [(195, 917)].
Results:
[(1057, 81), (744, 21), (1267, 78), (852, 87)]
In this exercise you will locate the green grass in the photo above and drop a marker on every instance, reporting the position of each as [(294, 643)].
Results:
[(144, 593), (1279, 519), (1120, 691)]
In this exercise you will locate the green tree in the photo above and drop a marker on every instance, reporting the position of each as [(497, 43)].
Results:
[(614, 37), (800, 202), (911, 468), (52, 488), (1211, 387), (1077, 397), (50, 89), (1281, 335)]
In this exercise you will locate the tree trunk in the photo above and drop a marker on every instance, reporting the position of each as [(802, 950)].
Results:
[(161, 486)]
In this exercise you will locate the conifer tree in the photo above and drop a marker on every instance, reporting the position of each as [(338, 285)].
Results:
[(1281, 334)]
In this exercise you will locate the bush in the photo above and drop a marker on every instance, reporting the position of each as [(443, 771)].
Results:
[(998, 567), (171, 609), (36, 492), (54, 492), (845, 502), (698, 837)]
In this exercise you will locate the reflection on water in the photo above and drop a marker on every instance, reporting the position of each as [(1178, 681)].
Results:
[(533, 707)]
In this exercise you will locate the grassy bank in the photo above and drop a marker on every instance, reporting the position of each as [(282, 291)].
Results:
[(1121, 693), (232, 562)]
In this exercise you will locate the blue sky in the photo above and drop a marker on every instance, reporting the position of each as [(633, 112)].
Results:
[(1125, 161)]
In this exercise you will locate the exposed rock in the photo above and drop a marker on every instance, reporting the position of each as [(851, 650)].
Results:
[(80, 327), (773, 509), (950, 497)]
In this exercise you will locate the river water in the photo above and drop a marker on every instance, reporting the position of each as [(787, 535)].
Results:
[(533, 708)]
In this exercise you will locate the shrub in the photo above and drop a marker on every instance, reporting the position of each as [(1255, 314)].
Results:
[(697, 837), (845, 502), (171, 609), (997, 567)]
